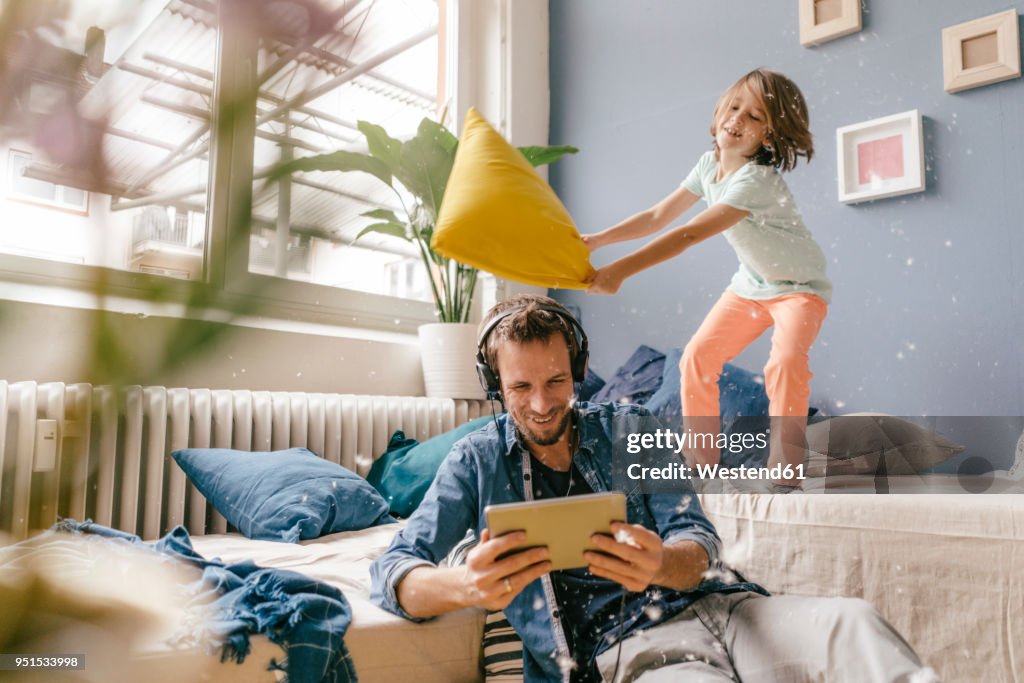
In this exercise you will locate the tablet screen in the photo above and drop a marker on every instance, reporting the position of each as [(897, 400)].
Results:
[(564, 525)]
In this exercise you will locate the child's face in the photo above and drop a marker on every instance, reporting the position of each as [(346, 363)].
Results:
[(742, 125)]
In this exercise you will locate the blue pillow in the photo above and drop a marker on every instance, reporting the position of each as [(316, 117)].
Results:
[(405, 471), (636, 381), (285, 496), (665, 402), (592, 383), (740, 392)]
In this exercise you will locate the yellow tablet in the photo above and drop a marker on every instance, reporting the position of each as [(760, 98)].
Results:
[(564, 525)]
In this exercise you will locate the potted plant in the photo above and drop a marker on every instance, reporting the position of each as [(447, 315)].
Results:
[(417, 170)]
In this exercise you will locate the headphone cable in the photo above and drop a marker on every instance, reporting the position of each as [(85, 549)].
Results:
[(622, 625), (494, 417)]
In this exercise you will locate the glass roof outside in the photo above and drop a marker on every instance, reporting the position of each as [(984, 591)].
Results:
[(154, 98)]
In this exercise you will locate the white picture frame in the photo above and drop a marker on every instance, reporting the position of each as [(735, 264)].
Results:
[(881, 158), (825, 20), (981, 51)]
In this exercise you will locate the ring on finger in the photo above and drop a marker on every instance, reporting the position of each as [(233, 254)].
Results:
[(508, 586)]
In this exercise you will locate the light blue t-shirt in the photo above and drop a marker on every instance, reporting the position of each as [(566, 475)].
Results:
[(777, 253)]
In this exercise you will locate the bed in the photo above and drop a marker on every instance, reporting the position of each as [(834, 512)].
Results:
[(384, 647), (130, 623), (945, 567), (942, 565)]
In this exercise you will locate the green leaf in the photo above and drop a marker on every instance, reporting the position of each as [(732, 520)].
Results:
[(427, 162), (445, 138), (335, 161), (386, 215), (393, 229), (427, 234), (381, 145), (539, 156)]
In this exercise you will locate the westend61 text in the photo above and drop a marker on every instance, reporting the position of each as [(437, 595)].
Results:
[(676, 471)]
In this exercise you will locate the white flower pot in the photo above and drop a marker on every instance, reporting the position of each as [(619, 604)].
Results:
[(448, 352)]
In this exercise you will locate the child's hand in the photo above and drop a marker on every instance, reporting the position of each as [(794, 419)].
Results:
[(592, 241), (604, 281)]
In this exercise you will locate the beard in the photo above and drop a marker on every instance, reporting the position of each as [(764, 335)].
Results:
[(540, 439)]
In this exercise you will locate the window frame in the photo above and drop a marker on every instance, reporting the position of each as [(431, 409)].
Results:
[(467, 28)]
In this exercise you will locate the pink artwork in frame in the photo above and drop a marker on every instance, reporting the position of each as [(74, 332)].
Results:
[(883, 157), (880, 159)]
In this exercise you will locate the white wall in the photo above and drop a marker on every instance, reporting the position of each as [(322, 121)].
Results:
[(58, 343)]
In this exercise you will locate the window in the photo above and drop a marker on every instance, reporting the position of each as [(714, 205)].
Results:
[(105, 95), (25, 187), (146, 95), (374, 61), (263, 251), (171, 161)]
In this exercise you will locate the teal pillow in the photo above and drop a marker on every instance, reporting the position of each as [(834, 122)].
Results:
[(289, 496), (404, 473)]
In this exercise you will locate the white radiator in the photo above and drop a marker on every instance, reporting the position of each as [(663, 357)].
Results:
[(113, 446)]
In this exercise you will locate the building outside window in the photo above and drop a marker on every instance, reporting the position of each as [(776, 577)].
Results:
[(26, 188), (111, 137)]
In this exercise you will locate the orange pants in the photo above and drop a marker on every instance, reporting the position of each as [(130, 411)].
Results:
[(731, 326)]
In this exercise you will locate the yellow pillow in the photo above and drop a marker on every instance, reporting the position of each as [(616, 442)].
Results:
[(498, 215)]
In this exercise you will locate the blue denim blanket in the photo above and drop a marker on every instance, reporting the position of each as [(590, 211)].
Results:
[(307, 617)]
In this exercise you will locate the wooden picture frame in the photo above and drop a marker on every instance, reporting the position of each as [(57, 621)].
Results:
[(981, 51), (880, 158), (825, 20)]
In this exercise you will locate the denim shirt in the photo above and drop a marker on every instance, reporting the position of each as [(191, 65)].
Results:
[(485, 468)]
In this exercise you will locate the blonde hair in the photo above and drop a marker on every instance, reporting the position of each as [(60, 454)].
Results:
[(789, 134)]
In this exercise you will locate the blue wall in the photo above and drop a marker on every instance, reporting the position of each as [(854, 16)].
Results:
[(928, 312)]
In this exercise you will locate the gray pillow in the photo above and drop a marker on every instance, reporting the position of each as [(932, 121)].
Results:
[(855, 444), (1017, 468)]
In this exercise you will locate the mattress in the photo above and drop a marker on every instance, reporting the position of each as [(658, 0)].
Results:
[(71, 596), (384, 647), (121, 605), (946, 569)]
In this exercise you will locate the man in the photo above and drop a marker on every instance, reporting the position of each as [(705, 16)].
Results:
[(652, 605)]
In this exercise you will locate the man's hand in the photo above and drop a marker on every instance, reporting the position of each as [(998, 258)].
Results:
[(604, 281), (636, 555), (493, 583)]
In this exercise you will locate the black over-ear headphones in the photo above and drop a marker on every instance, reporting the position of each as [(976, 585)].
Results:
[(578, 353)]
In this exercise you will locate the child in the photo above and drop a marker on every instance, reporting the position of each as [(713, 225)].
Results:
[(759, 127)]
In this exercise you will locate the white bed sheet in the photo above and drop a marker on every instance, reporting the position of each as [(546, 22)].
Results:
[(384, 647), (946, 569)]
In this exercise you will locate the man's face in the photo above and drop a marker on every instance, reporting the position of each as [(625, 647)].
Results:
[(536, 381)]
